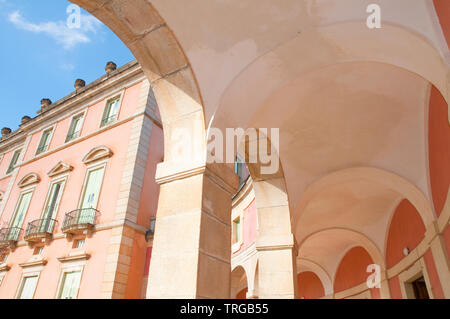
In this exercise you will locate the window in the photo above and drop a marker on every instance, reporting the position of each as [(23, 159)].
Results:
[(241, 170), (19, 215), (237, 230), (111, 111), (70, 284), (13, 162), (45, 141), (38, 250), (53, 200), (75, 127), (28, 287), (78, 244), (90, 196), (92, 188)]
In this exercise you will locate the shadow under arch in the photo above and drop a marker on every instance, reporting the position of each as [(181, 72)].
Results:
[(239, 280)]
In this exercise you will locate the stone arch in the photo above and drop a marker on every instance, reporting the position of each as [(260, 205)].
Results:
[(304, 264), (239, 280), (352, 237), (142, 29), (275, 239)]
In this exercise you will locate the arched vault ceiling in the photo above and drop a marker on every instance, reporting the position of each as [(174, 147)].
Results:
[(347, 115), (327, 248), (359, 205), (221, 38)]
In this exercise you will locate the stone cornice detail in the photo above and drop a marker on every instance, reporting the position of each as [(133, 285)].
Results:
[(95, 88), (59, 169), (4, 267), (38, 262), (69, 258), (198, 170), (28, 180), (96, 154)]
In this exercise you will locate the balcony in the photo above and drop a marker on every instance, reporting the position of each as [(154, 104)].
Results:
[(39, 230), (80, 221), (9, 236)]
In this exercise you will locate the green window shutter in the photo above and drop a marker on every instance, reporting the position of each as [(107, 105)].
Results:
[(75, 128), (45, 141), (53, 200), (13, 162), (111, 111), (93, 184), (22, 209)]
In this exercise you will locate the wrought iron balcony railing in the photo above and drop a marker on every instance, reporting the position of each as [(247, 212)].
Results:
[(10, 235), (40, 228), (80, 219)]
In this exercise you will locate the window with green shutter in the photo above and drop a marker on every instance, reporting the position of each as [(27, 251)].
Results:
[(45, 141), (21, 210), (111, 111), (75, 127), (13, 162)]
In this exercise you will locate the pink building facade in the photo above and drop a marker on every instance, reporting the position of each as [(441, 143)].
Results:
[(78, 192)]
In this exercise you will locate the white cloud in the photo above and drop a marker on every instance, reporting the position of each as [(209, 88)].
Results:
[(67, 37)]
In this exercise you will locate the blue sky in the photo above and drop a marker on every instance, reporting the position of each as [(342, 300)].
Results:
[(41, 57)]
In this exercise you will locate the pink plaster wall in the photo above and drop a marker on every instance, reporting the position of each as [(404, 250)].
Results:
[(97, 245), (439, 149), (406, 230), (352, 270), (309, 286)]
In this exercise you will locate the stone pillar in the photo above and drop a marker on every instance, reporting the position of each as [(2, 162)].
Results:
[(276, 268), (275, 244), (192, 242)]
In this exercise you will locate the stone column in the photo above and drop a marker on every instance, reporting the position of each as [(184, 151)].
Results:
[(275, 244), (192, 243)]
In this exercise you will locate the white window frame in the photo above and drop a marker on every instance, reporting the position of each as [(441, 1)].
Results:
[(119, 96), (26, 190), (50, 137), (70, 267), (90, 168), (19, 149), (237, 245), (25, 275), (83, 114), (63, 179)]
